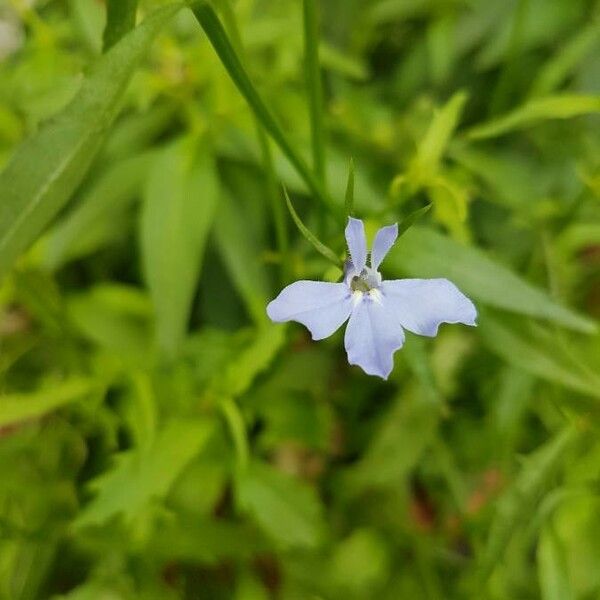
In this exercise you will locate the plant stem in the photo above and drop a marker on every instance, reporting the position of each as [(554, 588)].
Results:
[(281, 237)]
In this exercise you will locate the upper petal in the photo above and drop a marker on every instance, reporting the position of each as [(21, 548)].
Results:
[(357, 243), (320, 306), (372, 336), (421, 305), (384, 240)]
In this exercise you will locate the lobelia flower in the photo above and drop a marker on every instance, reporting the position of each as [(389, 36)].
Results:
[(378, 310)]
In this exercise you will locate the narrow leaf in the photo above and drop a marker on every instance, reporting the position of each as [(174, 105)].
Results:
[(180, 200), (92, 220), (566, 59), (552, 567), (409, 221), (517, 503), (48, 167), (274, 499), (564, 106), (15, 408), (539, 355), (349, 198), (432, 147), (240, 252), (120, 19), (328, 253)]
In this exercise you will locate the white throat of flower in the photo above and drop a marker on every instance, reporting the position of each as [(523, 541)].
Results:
[(367, 282)]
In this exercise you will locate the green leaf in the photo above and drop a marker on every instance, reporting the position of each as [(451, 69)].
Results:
[(539, 353), (516, 504), (116, 318), (88, 17), (48, 167), (406, 430), (141, 476), (321, 248), (205, 540), (563, 106), (92, 221), (414, 216), (120, 19), (223, 47), (422, 252), (237, 378), (361, 564), (241, 252), (552, 567), (434, 144), (288, 511), (567, 57), (181, 196), (15, 408), (349, 196)]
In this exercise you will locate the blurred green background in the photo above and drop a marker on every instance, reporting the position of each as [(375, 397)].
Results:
[(159, 438)]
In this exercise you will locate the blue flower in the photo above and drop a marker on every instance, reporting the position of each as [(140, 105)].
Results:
[(378, 310)]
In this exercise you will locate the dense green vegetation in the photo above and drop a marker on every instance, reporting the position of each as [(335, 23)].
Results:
[(159, 436)]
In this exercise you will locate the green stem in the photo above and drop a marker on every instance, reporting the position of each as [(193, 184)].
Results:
[(219, 39), (281, 237)]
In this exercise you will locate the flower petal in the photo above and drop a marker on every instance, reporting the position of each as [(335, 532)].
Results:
[(372, 336), (421, 305), (320, 306), (357, 243), (384, 240)]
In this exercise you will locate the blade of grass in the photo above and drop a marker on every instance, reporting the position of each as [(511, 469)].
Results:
[(222, 45)]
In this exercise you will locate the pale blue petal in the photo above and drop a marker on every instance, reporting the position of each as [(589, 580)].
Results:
[(372, 336), (384, 240), (421, 305), (320, 306), (357, 243)]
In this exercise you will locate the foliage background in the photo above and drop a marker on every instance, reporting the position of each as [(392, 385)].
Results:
[(160, 439)]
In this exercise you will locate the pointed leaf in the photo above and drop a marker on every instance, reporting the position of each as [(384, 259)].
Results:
[(140, 476), (409, 221), (564, 106), (181, 196), (120, 19), (15, 408), (321, 248), (288, 511), (516, 504)]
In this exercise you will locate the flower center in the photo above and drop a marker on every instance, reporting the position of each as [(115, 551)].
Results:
[(367, 280)]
